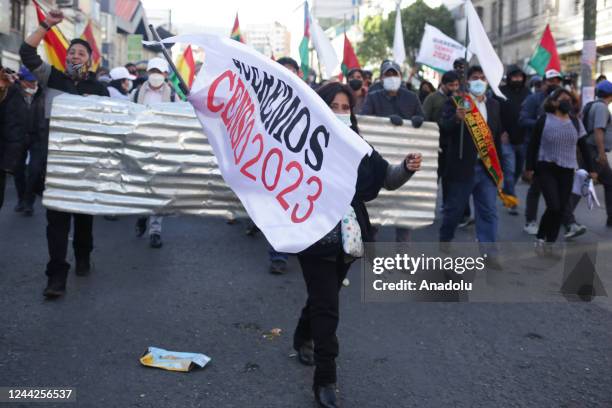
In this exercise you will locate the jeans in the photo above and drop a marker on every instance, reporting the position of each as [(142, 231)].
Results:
[(513, 159), (556, 184), (58, 228), (484, 193), (319, 318)]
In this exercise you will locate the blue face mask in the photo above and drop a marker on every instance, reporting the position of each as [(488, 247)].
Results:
[(478, 87)]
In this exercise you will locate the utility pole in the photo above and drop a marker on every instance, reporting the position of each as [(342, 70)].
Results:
[(589, 51)]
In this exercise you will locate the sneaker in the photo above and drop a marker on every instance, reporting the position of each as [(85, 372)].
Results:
[(278, 267), (155, 241), (531, 228), (539, 246), (20, 206), (574, 230), (513, 211), (466, 222), (82, 267), (141, 226), (56, 287)]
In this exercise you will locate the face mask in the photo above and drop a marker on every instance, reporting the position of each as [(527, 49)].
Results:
[(129, 85), (30, 91), (344, 118), (478, 87), (392, 84), (551, 88), (565, 106), (76, 71), (516, 84), (156, 80), (355, 84), (533, 89)]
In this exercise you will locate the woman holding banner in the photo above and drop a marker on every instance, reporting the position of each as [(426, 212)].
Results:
[(326, 263)]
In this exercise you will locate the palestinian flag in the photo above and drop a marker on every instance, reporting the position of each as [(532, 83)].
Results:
[(56, 44), (236, 35), (546, 56), (305, 65), (95, 51), (349, 61), (186, 69)]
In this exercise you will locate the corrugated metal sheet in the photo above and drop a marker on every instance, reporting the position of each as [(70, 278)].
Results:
[(113, 157)]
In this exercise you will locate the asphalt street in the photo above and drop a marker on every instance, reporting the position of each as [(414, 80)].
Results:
[(208, 290)]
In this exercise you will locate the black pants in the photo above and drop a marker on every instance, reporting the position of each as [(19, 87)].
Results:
[(319, 319), (532, 201), (2, 185), (29, 179), (568, 214), (58, 228), (556, 185)]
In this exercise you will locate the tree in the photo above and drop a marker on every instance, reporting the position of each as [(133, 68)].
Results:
[(378, 33)]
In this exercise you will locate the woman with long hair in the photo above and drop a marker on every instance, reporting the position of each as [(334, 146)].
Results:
[(552, 159), (325, 265)]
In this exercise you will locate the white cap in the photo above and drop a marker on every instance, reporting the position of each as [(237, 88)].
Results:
[(553, 73), (121, 73), (157, 63)]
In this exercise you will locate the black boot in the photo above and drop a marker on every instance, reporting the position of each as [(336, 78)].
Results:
[(83, 267), (305, 353), (56, 287), (325, 395), (155, 241), (141, 226)]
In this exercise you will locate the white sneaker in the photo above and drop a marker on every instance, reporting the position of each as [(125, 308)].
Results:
[(575, 230), (531, 228)]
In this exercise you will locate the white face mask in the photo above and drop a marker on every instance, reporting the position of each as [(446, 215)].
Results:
[(392, 84), (129, 85), (31, 91), (156, 80), (478, 87), (344, 118)]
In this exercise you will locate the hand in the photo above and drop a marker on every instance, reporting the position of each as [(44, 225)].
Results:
[(602, 159), (54, 17), (6, 79), (593, 176), (412, 162), (528, 175), (461, 113), (396, 120), (505, 138)]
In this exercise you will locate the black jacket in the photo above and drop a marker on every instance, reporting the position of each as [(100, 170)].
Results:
[(463, 169), (22, 124), (57, 79), (511, 112), (406, 104)]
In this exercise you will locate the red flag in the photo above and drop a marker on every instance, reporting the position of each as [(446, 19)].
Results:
[(236, 34), (349, 61), (56, 44), (95, 51), (546, 56)]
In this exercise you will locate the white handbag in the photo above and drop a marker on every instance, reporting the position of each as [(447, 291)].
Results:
[(352, 243)]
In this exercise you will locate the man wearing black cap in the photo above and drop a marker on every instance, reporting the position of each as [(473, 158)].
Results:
[(513, 139), (354, 79), (75, 80)]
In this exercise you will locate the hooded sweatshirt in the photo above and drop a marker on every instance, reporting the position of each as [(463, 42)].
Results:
[(511, 107)]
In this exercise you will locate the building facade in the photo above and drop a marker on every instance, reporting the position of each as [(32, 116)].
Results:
[(269, 39)]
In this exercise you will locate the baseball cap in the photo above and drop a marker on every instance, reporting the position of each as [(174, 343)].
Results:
[(553, 73), (604, 87), (26, 75), (121, 73), (390, 65), (157, 63)]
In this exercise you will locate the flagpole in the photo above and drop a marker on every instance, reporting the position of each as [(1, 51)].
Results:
[(182, 84), (465, 79)]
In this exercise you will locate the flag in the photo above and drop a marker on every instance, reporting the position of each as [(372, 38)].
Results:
[(185, 66), (399, 51), (95, 51), (545, 56), (325, 51), (438, 51), (295, 190), (304, 63), (349, 60), (236, 35), (481, 47), (56, 44)]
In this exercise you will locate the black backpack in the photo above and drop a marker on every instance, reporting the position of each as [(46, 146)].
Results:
[(586, 112)]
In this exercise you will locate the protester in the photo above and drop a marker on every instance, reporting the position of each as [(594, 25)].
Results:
[(397, 103), (154, 90), (465, 173), (133, 70), (459, 66), (513, 139), (354, 79), (535, 84), (103, 75), (25, 131), (432, 108), (75, 80), (531, 110), (290, 64), (7, 78), (367, 78), (599, 127), (600, 78), (426, 88), (325, 266), (121, 83), (552, 158)]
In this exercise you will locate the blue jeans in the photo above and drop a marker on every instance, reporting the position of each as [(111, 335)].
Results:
[(484, 194), (277, 256), (513, 159)]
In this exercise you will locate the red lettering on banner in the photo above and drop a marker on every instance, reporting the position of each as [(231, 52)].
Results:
[(213, 88)]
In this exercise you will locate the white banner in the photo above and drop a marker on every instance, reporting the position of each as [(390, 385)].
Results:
[(280, 148), (439, 51)]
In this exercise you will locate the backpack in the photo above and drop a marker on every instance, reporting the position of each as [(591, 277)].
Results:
[(586, 113), (172, 94)]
